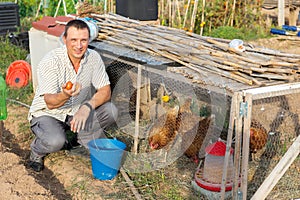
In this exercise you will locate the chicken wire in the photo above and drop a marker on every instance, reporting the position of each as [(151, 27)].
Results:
[(278, 112), (275, 111), (157, 82)]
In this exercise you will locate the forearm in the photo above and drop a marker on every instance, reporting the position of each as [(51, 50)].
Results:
[(56, 100), (100, 97)]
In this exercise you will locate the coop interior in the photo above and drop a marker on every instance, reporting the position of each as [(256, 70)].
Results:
[(164, 115)]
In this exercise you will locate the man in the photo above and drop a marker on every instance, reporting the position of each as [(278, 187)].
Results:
[(85, 108)]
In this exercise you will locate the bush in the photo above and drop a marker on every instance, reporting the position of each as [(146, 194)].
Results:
[(227, 32)]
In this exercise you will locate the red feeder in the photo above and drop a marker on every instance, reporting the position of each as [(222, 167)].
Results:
[(210, 178), (18, 74)]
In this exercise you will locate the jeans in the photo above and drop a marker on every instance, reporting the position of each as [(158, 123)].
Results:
[(50, 133)]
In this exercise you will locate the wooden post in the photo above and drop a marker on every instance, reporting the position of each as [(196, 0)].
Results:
[(58, 5), (170, 12), (228, 143), (232, 13), (137, 110), (194, 16), (65, 7), (39, 8), (186, 12), (279, 170), (202, 17), (238, 142), (246, 144), (281, 5), (178, 13), (105, 6)]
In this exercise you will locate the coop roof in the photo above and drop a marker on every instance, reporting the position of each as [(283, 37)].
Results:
[(203, 60)]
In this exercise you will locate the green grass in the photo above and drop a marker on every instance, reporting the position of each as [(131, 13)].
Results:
[(228, 32)]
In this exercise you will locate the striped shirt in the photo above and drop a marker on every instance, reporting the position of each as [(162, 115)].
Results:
[(55, 69)]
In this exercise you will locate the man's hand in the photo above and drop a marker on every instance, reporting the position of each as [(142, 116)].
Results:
[(83, 119), (73, 91)]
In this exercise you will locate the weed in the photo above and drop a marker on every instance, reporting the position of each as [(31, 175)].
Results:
[(9, 53)]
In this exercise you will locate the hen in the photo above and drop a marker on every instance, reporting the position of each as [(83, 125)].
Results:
[(191, 129), (258, 136), (197, 134), (164, 129)]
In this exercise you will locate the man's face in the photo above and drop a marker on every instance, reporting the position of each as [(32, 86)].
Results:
[(77, 42)]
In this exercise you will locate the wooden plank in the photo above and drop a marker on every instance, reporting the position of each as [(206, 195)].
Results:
[(236, 158), (278, 171), (131, 184), (246, 144), (271, 91), (280, 13), (228, 144), (137, 111), (238, 143)]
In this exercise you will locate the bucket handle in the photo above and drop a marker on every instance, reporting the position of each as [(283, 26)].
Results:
[(96, 144)]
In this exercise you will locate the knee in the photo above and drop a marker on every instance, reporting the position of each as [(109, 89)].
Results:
[(107, 114), (55, 144)]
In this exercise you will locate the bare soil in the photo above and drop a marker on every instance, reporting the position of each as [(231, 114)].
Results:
[(68, 177)]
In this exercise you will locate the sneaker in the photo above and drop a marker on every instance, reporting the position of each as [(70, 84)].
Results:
[(80, 151), (36, 162)]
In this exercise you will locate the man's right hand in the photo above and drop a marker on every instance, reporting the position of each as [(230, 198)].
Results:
[(59, 99), (73, 91)]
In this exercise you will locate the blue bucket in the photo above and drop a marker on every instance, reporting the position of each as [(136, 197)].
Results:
[(106, 156)]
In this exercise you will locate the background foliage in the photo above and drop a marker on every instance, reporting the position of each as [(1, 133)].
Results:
[(243, 16), (227, 19)]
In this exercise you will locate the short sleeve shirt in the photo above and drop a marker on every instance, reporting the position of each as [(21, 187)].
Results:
[(55, 69)]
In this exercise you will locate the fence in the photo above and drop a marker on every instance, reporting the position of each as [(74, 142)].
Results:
[(138, 88)]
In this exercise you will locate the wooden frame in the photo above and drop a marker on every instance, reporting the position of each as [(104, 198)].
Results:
[(248, 96), (240, 119)]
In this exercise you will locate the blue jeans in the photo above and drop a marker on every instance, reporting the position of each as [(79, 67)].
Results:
[(50, 133)]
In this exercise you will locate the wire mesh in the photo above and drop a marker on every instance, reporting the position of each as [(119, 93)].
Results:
[(274, 122), (204, 113), (279, 116)]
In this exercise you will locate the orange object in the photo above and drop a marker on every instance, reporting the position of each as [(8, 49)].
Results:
[(18, 74), (69, 85)]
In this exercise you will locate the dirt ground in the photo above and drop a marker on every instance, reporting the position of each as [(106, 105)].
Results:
[(68, 177)]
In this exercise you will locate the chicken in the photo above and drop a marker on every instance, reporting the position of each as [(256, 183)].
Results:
[(164, 129), (193, 130), (189, 127), (192, 149), (258, 136)]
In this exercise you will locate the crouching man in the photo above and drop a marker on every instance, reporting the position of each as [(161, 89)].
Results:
[(56, 107)]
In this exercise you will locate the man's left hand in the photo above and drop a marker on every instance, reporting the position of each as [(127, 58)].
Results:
[(82, 119)]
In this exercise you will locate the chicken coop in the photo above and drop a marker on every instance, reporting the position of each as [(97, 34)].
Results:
[(170, 81)]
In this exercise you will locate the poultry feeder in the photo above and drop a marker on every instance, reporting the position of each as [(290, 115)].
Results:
[(208, 180)]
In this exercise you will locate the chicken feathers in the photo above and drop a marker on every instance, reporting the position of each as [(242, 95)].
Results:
[(258, 136), (197, 139), (164, 129), (191, 128)]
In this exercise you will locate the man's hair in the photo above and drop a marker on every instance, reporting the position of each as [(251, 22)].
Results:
[(77, 23)]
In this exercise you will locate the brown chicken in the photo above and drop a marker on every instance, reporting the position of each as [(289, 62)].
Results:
[(164, 129), (190, 128), (193, 138), (258, 136)]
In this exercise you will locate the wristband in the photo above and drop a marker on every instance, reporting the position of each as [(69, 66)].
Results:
[(88, 105)]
